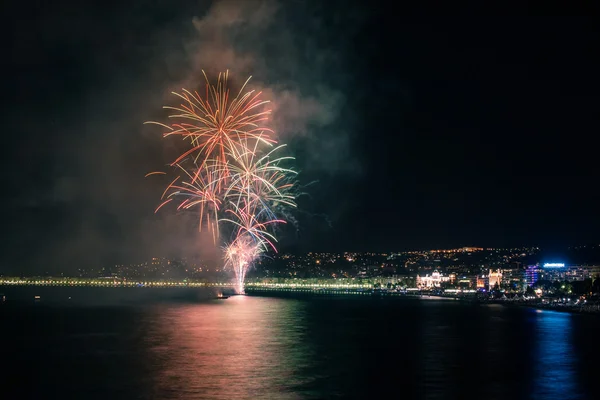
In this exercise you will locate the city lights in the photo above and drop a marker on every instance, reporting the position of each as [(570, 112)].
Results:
[(554, 265)]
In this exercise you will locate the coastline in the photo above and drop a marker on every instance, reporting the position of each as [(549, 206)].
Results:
[(25, 293)]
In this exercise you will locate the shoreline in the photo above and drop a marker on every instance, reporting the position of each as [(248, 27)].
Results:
[(592, 309)]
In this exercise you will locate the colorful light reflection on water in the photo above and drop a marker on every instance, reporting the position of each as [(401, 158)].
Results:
[(555, 357), (250, 347)]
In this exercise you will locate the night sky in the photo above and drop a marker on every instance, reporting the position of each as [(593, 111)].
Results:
[(419, 132)]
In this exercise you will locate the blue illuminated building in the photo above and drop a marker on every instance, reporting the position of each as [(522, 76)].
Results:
[(554, 265), (553, 271), (532, 275)]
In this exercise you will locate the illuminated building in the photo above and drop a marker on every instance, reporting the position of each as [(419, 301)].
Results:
[(560, 272), (482, 282), (553, 271), (531, 274), (554, 265), (494, 278), (435, 280), (514, 278), (466, 282)]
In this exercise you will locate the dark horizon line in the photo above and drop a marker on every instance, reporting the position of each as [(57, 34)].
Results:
[(541, 247), (272, 254)]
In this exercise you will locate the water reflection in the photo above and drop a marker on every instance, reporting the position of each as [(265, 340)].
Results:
[(439, 352), (496, 354), (249, 347), (239, 348), (555, 376), (469, 351)]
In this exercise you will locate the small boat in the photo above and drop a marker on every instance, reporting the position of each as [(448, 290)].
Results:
[(220, 296)]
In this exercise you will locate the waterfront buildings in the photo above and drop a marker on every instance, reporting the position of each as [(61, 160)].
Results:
[(532, 274), (514, 278), (560, 272), (482, 282), (433, 281), (494, 278), (569, 273)]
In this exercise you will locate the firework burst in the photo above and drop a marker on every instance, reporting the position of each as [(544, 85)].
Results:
[(215, 124), (231, 171)]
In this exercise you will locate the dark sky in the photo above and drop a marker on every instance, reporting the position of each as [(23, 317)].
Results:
[(421, 132)]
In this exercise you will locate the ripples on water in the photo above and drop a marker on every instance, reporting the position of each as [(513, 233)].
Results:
[(252, 347)]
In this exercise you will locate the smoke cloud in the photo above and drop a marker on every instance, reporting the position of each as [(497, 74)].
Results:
[(255, 38)]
